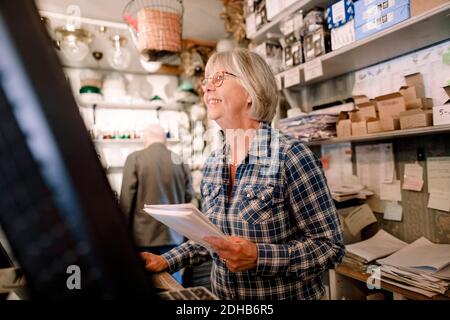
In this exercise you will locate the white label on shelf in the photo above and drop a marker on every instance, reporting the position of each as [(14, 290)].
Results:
[(338, 10), (278, 79), (313, 69), (441, 115), (291, 77)]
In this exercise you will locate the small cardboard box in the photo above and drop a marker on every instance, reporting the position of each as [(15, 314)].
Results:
[(373, 125), (390, 105), (414, 79), (416, 118), (412, 93), (343, 125), (418, 7), (421, 103), (389, 123), (441, 114), (367, 110), (359, 99), (359, 128)]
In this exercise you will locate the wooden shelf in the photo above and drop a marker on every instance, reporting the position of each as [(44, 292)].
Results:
[(132, 106), (358, 275), (385, 135), (129, 141), (413, 34)]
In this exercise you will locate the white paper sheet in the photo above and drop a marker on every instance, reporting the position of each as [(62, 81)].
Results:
[(337, 163), (375, 165), (439, 201), (438, 171), (393, 211), (391, 191)]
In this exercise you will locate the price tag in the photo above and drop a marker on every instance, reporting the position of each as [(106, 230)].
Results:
[(292, 77), (441, 114), (313, 69)]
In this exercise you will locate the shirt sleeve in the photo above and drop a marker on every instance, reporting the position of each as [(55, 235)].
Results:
[(186, 254), (129, 188), (319, 243)]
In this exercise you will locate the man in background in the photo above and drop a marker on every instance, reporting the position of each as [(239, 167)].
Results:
[(151, 176)]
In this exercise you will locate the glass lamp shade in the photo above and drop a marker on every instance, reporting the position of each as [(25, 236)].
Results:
[(74, 50), (119, 58)]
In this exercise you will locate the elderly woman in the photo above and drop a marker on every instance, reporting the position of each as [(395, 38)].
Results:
[(264, 190)]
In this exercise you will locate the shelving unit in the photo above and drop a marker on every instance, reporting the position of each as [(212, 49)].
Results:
[(415, 33), (385, 135), (132, 106), (129, 141)]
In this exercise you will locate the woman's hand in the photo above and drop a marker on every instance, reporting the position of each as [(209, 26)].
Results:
[(153, 262), (238, 253)]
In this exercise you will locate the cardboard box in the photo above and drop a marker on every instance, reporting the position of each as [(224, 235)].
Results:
[(367, 110), (359, 99), (343, 125), (416, 118), (366, 11), (390, 105), (359, 128), (383, 22), (342, 36), (421, 6), (373, 125), (339, 13), (441, 114), (414, 79), (422, 103), (316, 43), (389, 123), (412, 93)]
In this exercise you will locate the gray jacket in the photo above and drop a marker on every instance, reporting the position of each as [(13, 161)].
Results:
[(151, 177)]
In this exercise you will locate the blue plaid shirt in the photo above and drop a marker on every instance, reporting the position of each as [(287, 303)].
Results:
[(281, 202)]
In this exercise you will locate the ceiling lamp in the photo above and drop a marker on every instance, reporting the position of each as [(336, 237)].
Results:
[(119, 57), (74, 43)]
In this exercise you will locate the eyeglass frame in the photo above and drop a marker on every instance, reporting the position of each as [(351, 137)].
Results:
[(209, 79)]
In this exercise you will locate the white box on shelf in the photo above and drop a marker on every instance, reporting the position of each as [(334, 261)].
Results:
[(343, 35), (441, 114)]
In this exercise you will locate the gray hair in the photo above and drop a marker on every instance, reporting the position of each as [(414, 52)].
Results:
[(154, 133), (255, 76)]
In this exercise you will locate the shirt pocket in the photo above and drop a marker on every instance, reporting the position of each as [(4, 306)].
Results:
[(258, 202), (210, 197)]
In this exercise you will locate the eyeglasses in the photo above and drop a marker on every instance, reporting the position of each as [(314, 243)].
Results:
[(217, 78)]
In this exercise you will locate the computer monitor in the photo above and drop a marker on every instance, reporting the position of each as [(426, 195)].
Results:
[(56, 207)]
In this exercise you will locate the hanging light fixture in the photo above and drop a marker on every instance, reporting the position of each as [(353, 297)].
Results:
[(119, 57), (74, 43)]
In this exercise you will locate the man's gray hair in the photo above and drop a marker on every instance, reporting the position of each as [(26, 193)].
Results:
[(255, 76), (154, 133)]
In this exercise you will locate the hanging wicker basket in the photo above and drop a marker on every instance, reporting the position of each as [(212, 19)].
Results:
[(156, 26)]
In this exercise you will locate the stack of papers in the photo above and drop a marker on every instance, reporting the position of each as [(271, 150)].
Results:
[(346, 192), (185, 219), (310, 127), (380, 245), (422, 267)]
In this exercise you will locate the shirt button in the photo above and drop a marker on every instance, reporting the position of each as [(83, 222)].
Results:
[(262, 198)]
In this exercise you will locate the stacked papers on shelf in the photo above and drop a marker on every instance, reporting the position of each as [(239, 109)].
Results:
[(422, 266), (380, 245), (310, 127)]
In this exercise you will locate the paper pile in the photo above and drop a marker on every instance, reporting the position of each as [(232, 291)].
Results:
[(382, 244), (310, 127), (422, 267)]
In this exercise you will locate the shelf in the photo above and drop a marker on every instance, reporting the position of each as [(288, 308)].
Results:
[(363, 277), (413, 34), (385, 135), (274, 25), (129, 141), (117, 105)]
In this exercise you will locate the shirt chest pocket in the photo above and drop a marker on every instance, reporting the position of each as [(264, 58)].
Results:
[(210, 197), (259, 202)]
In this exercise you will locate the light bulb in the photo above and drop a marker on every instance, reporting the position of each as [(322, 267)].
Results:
[(74, 50), (119, 58)]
